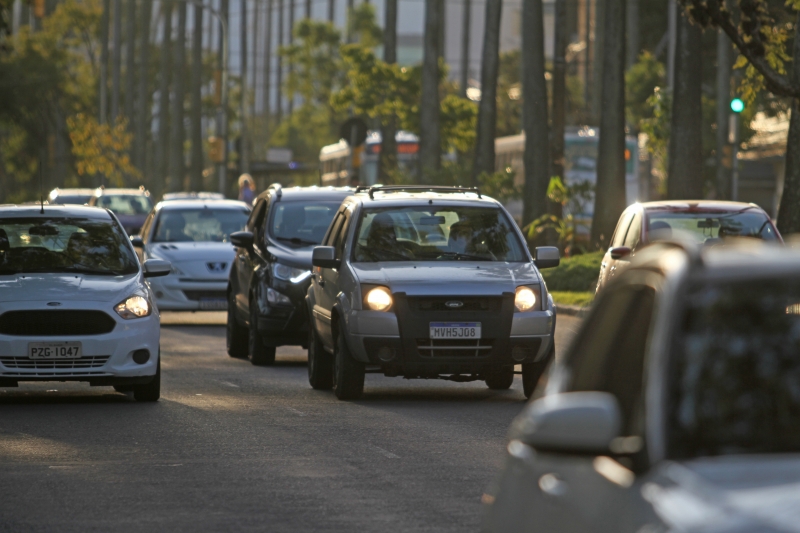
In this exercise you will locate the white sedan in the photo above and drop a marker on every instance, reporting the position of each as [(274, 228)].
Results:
[(74, 305), (194, 236)]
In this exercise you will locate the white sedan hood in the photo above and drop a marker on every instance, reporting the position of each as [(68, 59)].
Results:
[(65, 287)]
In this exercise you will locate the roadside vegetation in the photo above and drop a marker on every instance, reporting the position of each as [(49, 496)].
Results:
[(574, 280)]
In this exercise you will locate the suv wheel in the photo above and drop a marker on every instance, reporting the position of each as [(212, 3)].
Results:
[(235, 333), (348, 374), (150, 392), (501, 379), (260, 355), (531, 372), (320, 362)]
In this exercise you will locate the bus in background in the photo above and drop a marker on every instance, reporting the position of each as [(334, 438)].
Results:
[(580, 164), (333, 160)]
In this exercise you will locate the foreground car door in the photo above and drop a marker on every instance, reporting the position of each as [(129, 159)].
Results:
[(245, 261), (329, 279)]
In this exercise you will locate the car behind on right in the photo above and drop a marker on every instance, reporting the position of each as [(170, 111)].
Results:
[(677, 407)]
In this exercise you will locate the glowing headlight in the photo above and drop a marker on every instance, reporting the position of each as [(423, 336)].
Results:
[(379, 299), (525, 299), (295, 275), (133, 307)]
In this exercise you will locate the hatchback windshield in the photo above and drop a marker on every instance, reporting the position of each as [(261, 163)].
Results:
[(126, 204), (708, 227), (302, 223), (450, 233), (82, 245), (736, 380), (202, 224)]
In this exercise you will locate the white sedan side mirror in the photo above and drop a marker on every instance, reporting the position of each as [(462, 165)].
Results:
[(154, 268)]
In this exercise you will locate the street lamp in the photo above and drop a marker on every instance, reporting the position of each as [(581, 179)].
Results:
[(737, 106)]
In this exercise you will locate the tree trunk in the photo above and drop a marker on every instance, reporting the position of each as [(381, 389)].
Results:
[(130, 64), (685, 164), (244, 140), (610, 190), (331, 10), (142, 117), (466, 25), (723, 101), (268, 68), (600, 32), (534, 113), (430, 143), (279, 76), (291, 40), (308, 9), (789, 211), (487, 110), (196, 135), (177, 168), (633, 32), (103, 92), (559, 89), (163, 95), (388, 153), (116, 60)]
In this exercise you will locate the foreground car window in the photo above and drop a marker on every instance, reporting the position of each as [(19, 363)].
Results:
[(449, 233), (199, 224), (708, 227), (78, 245), (124, 204), (736, 379), (302, 223)]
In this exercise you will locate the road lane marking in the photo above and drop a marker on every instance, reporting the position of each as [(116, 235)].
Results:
[(295, 411), (229, 384), (385, 453)]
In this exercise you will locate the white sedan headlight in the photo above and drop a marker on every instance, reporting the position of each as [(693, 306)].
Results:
[(133, 307), (525, 299), (287, 273)]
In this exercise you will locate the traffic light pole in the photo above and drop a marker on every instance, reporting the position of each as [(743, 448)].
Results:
[(735, 158)]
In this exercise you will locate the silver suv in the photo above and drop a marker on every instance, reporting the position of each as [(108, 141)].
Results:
[(427, 282)]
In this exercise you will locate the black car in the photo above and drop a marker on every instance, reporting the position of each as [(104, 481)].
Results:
[(271, 271)]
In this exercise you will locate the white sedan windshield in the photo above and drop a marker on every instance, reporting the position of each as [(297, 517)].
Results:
[(203, 224)]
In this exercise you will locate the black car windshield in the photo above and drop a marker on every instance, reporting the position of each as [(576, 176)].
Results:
[(79, 245), (429, 233), (201, 224), (126, 204), (735, 382), (708, 227), (302, 223)]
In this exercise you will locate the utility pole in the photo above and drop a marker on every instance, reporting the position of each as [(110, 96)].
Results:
[(308, 9), (724, 64), (244, 156), (388, 154), (141, 118), (331, 10), (196, 133), (466, 25), (103, 92), (116, 61)]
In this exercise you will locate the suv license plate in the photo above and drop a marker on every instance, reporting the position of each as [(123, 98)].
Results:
[(455, 330), (213, 304), (54, 350)]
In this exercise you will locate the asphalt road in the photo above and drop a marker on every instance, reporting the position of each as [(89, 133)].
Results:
[(233, 447)]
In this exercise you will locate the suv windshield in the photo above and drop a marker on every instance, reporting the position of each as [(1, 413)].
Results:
[(708, 227), (735, 383), (81, 245), (126, 204), (426, 233), (202, 224), (301, 223)]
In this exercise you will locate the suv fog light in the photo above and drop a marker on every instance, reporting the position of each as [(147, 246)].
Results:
[(386, 353), (519, 352), (274, 297), (140, 357)]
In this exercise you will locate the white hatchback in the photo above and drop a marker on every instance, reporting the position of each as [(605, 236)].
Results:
[(74, 305)]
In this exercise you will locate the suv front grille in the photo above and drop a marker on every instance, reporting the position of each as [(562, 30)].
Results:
[(454, 347), (472, 303), (206, 295), (90, 361), (55, 323)]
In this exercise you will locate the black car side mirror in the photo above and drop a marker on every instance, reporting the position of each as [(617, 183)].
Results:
[(619, 252), (324, 257), (546, 257), (137, 241), (242, 239)]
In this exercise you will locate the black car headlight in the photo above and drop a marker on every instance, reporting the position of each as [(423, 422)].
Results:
[(292, 274), (134, 306)]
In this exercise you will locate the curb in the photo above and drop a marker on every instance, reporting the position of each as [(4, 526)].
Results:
[(572, 310)]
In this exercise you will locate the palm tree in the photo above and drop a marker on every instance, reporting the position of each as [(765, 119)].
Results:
[(176, 166), (196, 168), (487, 111), (430, 145), (163, 94), (388, 154)]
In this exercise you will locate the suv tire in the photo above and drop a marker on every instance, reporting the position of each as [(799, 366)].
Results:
[(501, 379), (348, 374), (531, 372), (320, 363), (259, 353), (150, 392), (235, 333)]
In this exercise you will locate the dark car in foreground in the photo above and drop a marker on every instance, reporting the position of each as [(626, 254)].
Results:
[(271, 269), (677, 407)]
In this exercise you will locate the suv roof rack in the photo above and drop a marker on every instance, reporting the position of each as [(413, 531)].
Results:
[(417, 188), (278, 188)]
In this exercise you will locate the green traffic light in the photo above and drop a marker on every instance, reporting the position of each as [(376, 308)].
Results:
[(737, 105)]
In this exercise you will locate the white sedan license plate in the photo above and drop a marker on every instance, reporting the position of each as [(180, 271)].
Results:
[(54, 350), (455, 330)]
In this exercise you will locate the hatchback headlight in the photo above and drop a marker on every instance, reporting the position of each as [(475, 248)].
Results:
[(525, 299), (378, 299), (133, 307), (287, 273)]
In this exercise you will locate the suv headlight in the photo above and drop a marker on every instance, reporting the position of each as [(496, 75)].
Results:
[(525, 299), (378, 299), (134, 306), (287, 273)]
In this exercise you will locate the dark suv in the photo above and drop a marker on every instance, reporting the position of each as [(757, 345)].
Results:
[(271, 271)]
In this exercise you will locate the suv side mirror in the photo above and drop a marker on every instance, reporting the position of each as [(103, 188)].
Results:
[(137, 241), (155, 268), (619, 252), (570, 422), (546, 257), (324, 257), (242, 239)]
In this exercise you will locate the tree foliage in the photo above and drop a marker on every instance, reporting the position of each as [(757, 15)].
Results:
[(101, 148)]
